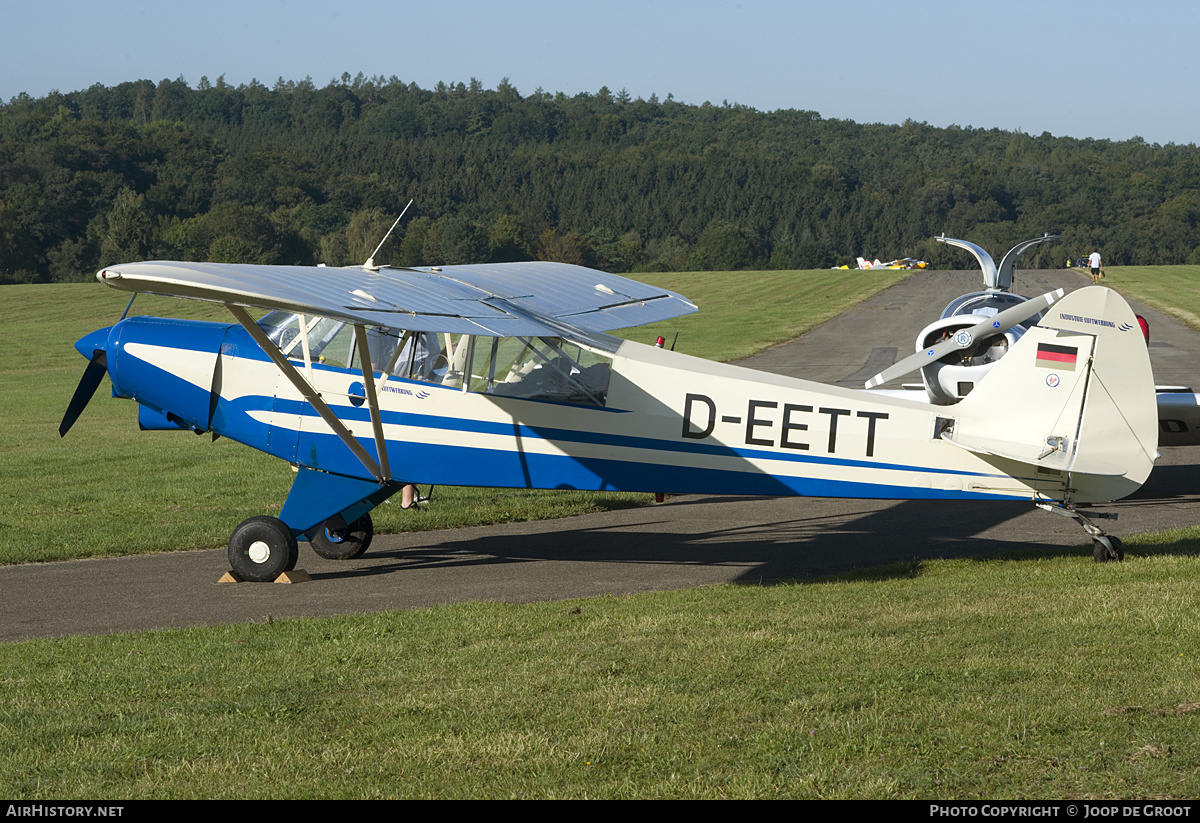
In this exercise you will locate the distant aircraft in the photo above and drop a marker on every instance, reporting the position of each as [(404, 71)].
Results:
[(949, 378), (902, 263), (367, 379)]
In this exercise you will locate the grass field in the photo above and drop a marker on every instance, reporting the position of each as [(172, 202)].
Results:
[(1024, 676), (1019, 677), (1173, 290)]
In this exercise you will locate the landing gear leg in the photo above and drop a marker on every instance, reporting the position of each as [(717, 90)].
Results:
[(1105, 547)]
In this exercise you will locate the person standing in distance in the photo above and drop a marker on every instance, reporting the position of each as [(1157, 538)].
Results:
[(1094, 264)]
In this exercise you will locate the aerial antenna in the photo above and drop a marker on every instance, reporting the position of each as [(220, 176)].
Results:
[(370, 264)]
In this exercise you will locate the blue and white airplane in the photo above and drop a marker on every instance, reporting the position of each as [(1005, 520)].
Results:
[(502, 375)]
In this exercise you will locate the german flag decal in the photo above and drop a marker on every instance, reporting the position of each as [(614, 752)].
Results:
[(1050, 356)]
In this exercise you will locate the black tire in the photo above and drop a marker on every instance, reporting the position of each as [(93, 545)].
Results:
[(1106, 549), (261, 549), (345, 543), (1118, 552)]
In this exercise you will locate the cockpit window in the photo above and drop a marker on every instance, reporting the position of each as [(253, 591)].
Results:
[(413, 355), (547, 368), (542, 368), (329, 341)]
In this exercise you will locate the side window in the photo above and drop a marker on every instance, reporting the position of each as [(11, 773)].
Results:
[(329, 341), (408, 354), (332, 342), (287, 331), (395, 352), (539, 368)]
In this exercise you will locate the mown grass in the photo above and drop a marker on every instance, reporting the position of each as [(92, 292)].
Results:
[(1041, 677), (108, 489), (742, 313), (1173, 290)]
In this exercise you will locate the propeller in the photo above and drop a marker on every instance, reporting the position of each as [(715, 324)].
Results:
[(965, 337), (214, 392), (97, 367)]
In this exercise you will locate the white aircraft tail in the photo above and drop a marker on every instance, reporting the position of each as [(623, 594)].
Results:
[(1074, 399)]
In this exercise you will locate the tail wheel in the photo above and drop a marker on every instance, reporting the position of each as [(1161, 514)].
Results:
[(1106, 548), (345, 543), (261, 549)]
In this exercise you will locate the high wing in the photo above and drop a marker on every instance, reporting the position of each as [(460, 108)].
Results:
[(493, 299)]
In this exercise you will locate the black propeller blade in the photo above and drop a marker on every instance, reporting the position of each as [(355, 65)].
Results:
[(92, 376)]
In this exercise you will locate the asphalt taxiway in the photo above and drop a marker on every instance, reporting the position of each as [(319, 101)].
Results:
[(688, 541)]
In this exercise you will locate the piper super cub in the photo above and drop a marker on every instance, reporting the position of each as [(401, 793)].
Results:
[(367, 379)]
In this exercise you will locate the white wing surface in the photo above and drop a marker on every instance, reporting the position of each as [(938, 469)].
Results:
[(495, 299)]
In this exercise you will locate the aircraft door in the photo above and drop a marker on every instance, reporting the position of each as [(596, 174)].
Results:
[(339, 379), (250, 400)]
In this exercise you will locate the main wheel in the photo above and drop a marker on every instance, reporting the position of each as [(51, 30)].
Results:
[(344, 543), (261, 549)]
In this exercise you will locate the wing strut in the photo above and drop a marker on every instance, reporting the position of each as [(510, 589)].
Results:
[(368, 370), (310, 394)]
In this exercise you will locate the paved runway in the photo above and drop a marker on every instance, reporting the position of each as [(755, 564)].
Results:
[(688, 541)]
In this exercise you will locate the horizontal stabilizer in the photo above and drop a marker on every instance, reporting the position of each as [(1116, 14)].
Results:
[(1051, 455)]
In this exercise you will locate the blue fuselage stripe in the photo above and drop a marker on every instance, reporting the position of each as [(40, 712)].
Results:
[(414, 419)]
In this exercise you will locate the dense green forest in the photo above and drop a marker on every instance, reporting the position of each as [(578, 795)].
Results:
[(300, 174)]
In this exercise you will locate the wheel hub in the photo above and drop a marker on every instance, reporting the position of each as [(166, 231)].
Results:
[(259, 551)]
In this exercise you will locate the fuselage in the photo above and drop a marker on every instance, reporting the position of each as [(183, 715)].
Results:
[(664, 422)]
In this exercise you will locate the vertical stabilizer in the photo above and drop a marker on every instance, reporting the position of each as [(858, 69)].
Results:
[(1074, 398)]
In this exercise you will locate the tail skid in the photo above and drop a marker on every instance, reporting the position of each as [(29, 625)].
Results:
[(1074, 399)]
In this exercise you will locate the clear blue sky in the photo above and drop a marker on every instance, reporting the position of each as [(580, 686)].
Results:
[(1100, 69)]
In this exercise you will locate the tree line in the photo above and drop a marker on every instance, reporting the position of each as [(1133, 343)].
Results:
[(297, 174)]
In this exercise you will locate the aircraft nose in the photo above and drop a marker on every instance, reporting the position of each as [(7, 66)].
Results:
[(93, 342)]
